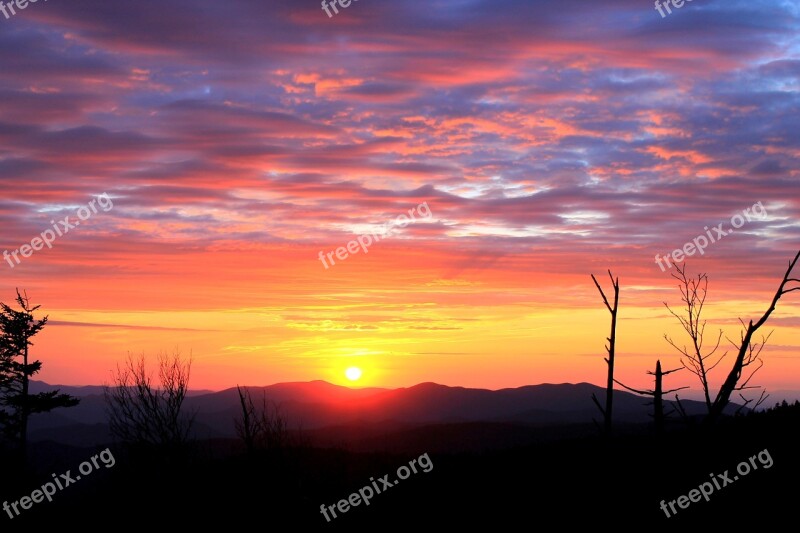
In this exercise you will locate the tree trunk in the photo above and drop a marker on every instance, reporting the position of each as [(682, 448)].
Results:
[(23, 431), (611, 351), (658, 401)]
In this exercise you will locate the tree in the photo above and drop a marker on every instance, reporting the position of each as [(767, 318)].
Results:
[(693, 295), (248, 426), (657, 393), (748, 353), (149, 416), (610, 348), (261, 429), (17, 404)]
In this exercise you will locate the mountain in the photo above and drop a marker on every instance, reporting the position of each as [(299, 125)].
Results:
[(319, 404), (87, 390), (334, 413)]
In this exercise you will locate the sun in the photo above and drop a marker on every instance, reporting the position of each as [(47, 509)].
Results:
[(353, 373)]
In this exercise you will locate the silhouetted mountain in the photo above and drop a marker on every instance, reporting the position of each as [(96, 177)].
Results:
[(336, 414), (86, 390)]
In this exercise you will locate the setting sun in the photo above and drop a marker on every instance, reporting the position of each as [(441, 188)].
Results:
[(353, 373)]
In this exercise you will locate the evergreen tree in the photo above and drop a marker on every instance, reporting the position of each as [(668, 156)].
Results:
[(17, 327)]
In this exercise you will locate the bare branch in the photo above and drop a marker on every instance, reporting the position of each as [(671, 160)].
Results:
[(637, 391), (599, 288), (675, 390)]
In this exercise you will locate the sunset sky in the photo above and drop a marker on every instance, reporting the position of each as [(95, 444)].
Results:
[(550, 140)]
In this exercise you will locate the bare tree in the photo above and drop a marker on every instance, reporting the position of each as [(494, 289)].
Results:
[(693, 295), (248, 426), (261, 429), (146, 414), (658, 395), (610, 348), (748, 352)]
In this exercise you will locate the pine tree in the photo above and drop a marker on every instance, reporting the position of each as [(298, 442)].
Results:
[(17, 327)]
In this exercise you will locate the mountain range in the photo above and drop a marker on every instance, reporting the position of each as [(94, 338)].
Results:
[(368, 417)]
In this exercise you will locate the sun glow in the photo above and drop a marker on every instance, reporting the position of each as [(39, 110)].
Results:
[(353, 373)]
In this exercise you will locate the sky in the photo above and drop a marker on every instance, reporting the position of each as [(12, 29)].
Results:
[(210, 154)]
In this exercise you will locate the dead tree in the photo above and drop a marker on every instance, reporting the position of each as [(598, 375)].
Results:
[(147, 415), (658, 395), (610, 347), (748, 353), (262, 429), (247, 427), (693, 295)]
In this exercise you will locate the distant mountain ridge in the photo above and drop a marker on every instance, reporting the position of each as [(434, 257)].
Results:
[(318, 405), (86, 390)]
